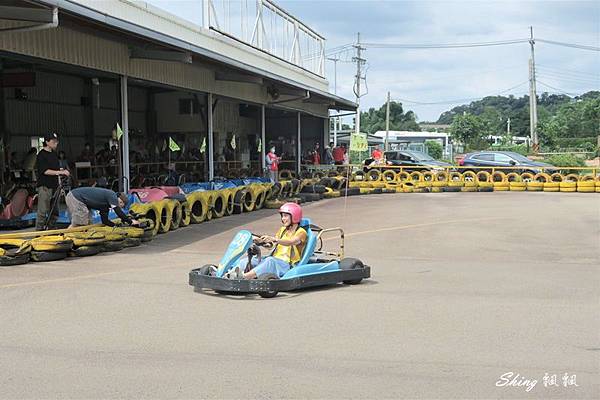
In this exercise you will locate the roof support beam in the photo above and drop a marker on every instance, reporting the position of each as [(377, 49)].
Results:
[(26, 14)]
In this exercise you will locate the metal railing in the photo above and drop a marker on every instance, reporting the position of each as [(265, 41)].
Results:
[(266, 26)]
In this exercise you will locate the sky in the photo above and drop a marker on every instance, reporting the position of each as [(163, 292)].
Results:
[(446, 77)]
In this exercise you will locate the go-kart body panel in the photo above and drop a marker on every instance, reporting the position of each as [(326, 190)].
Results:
[(236, 249), (310, 269)]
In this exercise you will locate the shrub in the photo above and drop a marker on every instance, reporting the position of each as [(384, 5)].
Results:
[(434, 149), (565, 160)]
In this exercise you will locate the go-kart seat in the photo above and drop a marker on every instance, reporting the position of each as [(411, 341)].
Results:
[(311, 242)]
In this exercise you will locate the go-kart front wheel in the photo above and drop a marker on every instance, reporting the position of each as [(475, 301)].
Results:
[(267, 277), (349, 264)]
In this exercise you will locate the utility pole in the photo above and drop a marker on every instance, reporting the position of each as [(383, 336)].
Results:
[(335, 60), (359, 62), (387, 123), (532, 95), (508, 126)]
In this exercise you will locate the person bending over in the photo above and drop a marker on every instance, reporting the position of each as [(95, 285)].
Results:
[(82, 200)]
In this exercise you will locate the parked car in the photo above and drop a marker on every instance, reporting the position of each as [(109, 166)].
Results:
[(411, 160), (499, 159)]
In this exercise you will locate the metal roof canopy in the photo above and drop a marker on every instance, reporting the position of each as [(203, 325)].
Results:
[(75, 9)]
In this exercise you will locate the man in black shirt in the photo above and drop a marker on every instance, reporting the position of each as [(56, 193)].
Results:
[(48, 171), (81, 200)]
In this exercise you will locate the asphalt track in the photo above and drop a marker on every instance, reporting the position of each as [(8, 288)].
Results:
[(466, 287)]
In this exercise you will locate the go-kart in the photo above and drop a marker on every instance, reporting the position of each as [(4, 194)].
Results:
[(315, 268)]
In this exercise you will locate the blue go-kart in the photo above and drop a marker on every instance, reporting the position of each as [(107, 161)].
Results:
[(315, 268)]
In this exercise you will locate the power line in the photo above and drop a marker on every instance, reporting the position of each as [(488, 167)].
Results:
[(570, 71), (556, 76), (442, 45), (562, 91), (461, 100), (572, 45)]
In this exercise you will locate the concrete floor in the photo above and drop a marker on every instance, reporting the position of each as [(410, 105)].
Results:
[(466, 287)]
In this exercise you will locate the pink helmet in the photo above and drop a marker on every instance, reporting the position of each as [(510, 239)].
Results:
[(294, 210)]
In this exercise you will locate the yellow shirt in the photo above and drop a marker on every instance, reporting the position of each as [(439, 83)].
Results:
[(290, 254)]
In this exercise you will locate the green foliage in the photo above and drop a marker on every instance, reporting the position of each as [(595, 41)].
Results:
[(522, 149), (434, 149), (470, 130), (374, 120), (565, 160)]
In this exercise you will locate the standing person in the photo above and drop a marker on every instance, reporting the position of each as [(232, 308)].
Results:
[(48, 171), (338, 155), (272, 162), (346, 156), (316, 155), (329, 154), (377, 155), (83, 199)]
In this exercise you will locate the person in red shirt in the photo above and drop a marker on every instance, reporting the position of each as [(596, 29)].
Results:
[(316, 155), (377, 154), (338, 155), (272, 162)]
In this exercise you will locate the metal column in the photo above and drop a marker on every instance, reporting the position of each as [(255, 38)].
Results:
[(299, 147), (209, 114), (262, 138), (124, 185)]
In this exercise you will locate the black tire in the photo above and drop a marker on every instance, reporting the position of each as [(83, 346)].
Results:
[(275, 190), (239, 199), (115, 245), (328, 182), (314, 189), (347, 264), (350, 192), (267, 277), (308, 197), (452, 189), (295, 185), (84, 251), (485, 189), (6, 261), (377, 191), (132, 242), (43, 256)]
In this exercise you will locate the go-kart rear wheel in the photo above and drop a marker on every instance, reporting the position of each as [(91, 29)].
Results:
[(206, 269), (267, 277), (349, 264)]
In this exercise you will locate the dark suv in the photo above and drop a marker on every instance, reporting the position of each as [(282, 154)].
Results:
[(499, 159), (411, 160)]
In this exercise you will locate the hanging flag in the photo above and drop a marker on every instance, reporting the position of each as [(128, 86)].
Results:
[(233, 142), (172, 145), (119, 132), (259, 148), (203, 145)]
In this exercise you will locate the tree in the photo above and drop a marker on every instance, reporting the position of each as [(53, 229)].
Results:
[(434, 149), (373, 120), (470, 130)]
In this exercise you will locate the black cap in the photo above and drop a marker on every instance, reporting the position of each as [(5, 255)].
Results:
[(49, 136)]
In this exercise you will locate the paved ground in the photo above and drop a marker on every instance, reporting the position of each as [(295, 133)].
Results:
[(466, 287)]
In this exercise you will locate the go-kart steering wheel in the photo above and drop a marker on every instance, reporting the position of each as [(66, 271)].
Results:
[(267, 245)]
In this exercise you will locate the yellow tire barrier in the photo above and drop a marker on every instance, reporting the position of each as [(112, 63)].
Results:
[(166, 215), (218, 203), (586, 186), (571, 178), (416, 176), (230, 203), (456, 183), (455, 176), (186, 216), (389, 176), (483, 176), (469, 176), (498, 176), (273, 204), (557, 177), (470, 188), (437, 189), (568, 186), (358, 176), (374, 175), (14, 247), (439, 184), (365, 191), (542, 177), (285, 174), (551, 186), (428, 176), (86, 238), (403, 176), (517, 186), (151, 211), (526, 177), (441, 176), (587, 178), (198, 207), (423, 184), (174, 207), (534, 186), (378, 185), (52, 243), (513, 177), (597, 186)]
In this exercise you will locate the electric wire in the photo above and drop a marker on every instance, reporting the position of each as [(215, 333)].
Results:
[(562, 91), (572, 45)]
